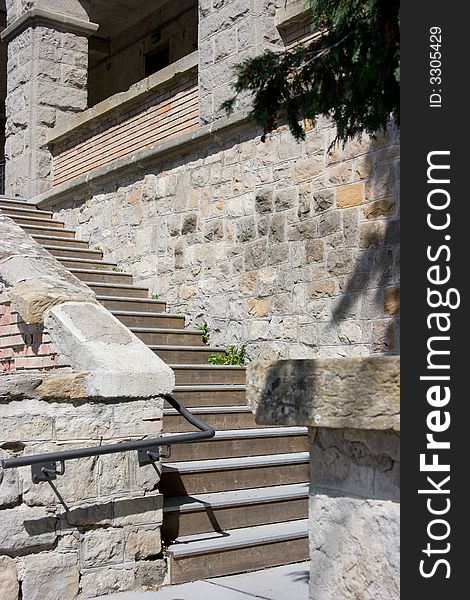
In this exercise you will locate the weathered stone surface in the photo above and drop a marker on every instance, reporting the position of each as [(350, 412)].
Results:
[(50, 576), (25, 528), (151, 573), (106, 581), (345, 534), (143, 543), (359, 393), (120, 365), (102, 547), (71, 386), (9, 485), (36, 280), (9, 586)]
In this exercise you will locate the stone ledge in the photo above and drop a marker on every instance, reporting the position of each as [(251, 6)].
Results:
[(117, 101), (36, 16), (356, 393), (293, 11)]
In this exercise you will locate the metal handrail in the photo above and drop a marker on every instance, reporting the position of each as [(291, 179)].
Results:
[(45, 463)]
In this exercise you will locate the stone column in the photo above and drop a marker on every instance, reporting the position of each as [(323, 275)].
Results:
[(230, 32), (46, 84), (351, 407)]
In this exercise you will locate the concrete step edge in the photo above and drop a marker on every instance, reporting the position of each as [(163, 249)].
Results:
[(186, 348), (204, 410), (207, 387), (67, 249), (48, 229), (204, 367), (198, 502), (40, 236), (25, 209), (116, 285), (244, 462), (99, 271), (135, 313), (268, 432), (125, 299), (84, 260), (238, 538)]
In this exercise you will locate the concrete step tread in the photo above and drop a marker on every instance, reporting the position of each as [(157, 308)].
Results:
[(99, 271), (68, 249), (60, 238), (7, 198), (206, 367), (244, 462), (204, 410), (204, 543), (54, 223), (125, 299), (237, 434), (235, 497), (164, 330), (135, 313), (31, 215), (236, 387), (43, 228), (182, 348), (32, 211), (79, 261), (125, 286)]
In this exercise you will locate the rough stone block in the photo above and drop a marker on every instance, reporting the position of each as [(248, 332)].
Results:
[(50, 576), (142, 544), (24, 528), (9, 585), (102, 547), (337, 393)]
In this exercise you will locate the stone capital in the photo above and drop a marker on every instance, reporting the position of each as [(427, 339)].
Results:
[(41, 16)]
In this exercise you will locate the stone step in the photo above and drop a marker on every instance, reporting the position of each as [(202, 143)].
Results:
[(222, 511), (98, 276), (208, 374), (220, 418), (74, 253), (15, 202), (37, 222), (119, 289), (13, 211), (50, 240), (70, 262), (185, 354), (136, 319), (50, 230), (207, 555), (132, 304), (221, 475), (233, 443), (210, 395), (173, 337)]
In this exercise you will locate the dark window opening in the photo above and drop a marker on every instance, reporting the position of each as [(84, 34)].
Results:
[(157, 59)]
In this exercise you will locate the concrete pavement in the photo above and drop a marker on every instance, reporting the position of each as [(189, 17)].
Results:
[(288, 582)]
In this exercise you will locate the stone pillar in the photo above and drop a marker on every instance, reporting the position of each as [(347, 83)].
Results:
[(46, 84), (351, 407), (230, 32)]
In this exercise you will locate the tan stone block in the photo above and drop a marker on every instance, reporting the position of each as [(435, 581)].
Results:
[(134, 196), (322, 288), (247, 282), (188, 291), (349, 196), (142, 544), (71, 386), (380, 209), (258, 307), (392, 301), (9, 586), (308, 168)]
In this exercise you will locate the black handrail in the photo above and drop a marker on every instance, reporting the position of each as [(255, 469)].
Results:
[(206, 432)]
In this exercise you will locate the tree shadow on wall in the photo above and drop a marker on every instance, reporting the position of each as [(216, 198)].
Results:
[(375, 277)]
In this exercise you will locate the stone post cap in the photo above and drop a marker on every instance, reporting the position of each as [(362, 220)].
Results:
[(353, 393)]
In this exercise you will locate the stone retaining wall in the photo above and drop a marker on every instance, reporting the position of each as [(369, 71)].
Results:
[(109, 539), (290, 248)]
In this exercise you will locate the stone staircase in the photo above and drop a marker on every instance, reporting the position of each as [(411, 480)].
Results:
[(232, 504)]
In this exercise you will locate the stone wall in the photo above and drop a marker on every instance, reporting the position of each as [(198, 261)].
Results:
[(109, 539), (290, 248), (352, 409)]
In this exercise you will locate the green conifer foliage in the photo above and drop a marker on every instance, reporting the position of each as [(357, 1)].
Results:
[(351, 73)]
